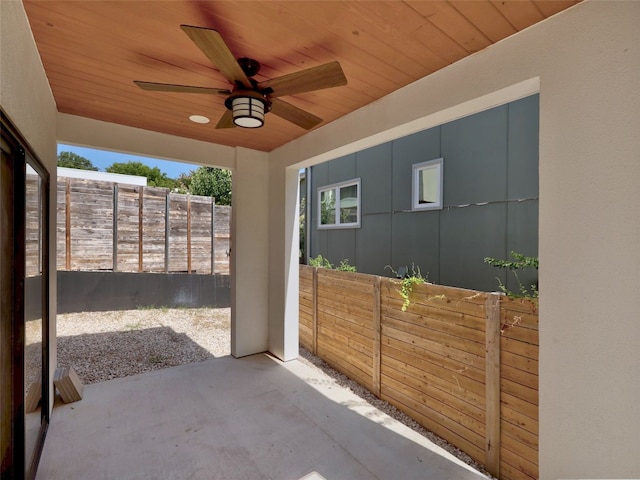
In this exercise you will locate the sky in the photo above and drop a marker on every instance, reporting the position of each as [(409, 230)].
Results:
[(103, 159)]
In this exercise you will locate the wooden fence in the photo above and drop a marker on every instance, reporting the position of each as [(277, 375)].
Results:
[(109, 226), (462, 363)]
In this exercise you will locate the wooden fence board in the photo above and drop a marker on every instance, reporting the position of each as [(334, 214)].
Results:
[(520, 464), (450, 368), (517, 434), (450, 390), (199, 232), (425, 333), (435, 323), (404, 398), (466, 358)]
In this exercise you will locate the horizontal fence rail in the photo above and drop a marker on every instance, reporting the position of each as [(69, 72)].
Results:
[(462, 363), (109, 226)]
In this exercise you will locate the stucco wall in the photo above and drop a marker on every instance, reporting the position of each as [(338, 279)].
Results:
[(586, 62), (26, 98)]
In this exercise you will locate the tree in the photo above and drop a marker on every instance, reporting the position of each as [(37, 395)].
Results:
[(73, 160), (212, 182), (182, 183), (155, 178)]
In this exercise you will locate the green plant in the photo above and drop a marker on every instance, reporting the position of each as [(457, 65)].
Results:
[(320, 262), (408, 281), (521, 262), (345, 267)]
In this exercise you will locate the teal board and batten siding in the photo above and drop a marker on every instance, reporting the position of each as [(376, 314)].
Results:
[(490, 200)]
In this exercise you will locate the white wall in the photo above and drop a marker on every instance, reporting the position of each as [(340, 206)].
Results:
[(250, 254), (26, 98), (586, 61), (284, 246)]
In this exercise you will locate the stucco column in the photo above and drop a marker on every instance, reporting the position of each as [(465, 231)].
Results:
[(283, 262), (250, 254)]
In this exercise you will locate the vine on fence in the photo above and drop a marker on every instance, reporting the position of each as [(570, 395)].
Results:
[(408, 281), (521, 262)]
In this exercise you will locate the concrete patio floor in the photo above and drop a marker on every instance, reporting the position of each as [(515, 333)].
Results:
[(244, 419)]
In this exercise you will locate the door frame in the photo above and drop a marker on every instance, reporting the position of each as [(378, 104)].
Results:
[(16, 153)]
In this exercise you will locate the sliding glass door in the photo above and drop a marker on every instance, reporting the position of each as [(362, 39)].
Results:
[(24, 305)]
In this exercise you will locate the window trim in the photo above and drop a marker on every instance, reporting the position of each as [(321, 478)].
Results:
[(336, 187), (438, 164)]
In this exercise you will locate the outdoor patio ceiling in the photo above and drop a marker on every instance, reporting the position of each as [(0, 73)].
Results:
[(93, 51)]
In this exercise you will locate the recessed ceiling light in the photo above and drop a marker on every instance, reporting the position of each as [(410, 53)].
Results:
[(198, 119)]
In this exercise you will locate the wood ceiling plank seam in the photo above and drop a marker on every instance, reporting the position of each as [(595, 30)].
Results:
[(411, 64), (432, 37), (521, 14), (549, 8), (486, 17), (459, 28), (431, 18), (359, 57), (408, 26)]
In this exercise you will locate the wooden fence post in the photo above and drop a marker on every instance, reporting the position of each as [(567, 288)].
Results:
[(376, 336), (492, 383), (167, 231), (314, 326), (115, 227), (213, 236), (67, 219), (188, 233), (140, 223)]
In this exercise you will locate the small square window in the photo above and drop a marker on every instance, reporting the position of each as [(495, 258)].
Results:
[(339, 205), (427, 185)]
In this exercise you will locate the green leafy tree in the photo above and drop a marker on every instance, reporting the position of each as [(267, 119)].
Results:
[(212, 182), (182, 183), (73, 160), (155, 177)]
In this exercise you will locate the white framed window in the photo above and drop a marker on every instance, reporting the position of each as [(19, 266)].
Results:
[(339, 205), (427, 185)]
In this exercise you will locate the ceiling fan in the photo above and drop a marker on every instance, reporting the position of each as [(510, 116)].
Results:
[(248, 101)]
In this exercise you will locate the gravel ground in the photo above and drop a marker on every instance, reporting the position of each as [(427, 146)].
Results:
[(106, 345)]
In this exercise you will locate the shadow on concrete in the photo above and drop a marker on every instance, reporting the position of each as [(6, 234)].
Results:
[(98, 357)]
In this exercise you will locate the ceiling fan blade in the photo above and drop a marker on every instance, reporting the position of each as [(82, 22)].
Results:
[(314, 78), (294, 114), (226, 121), (169, 87), (214, 47)]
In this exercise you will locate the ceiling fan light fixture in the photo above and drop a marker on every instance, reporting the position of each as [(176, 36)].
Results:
[(248, 112), (248, 109)]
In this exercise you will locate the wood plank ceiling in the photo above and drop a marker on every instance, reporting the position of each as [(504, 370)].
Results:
[(93, 50)]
